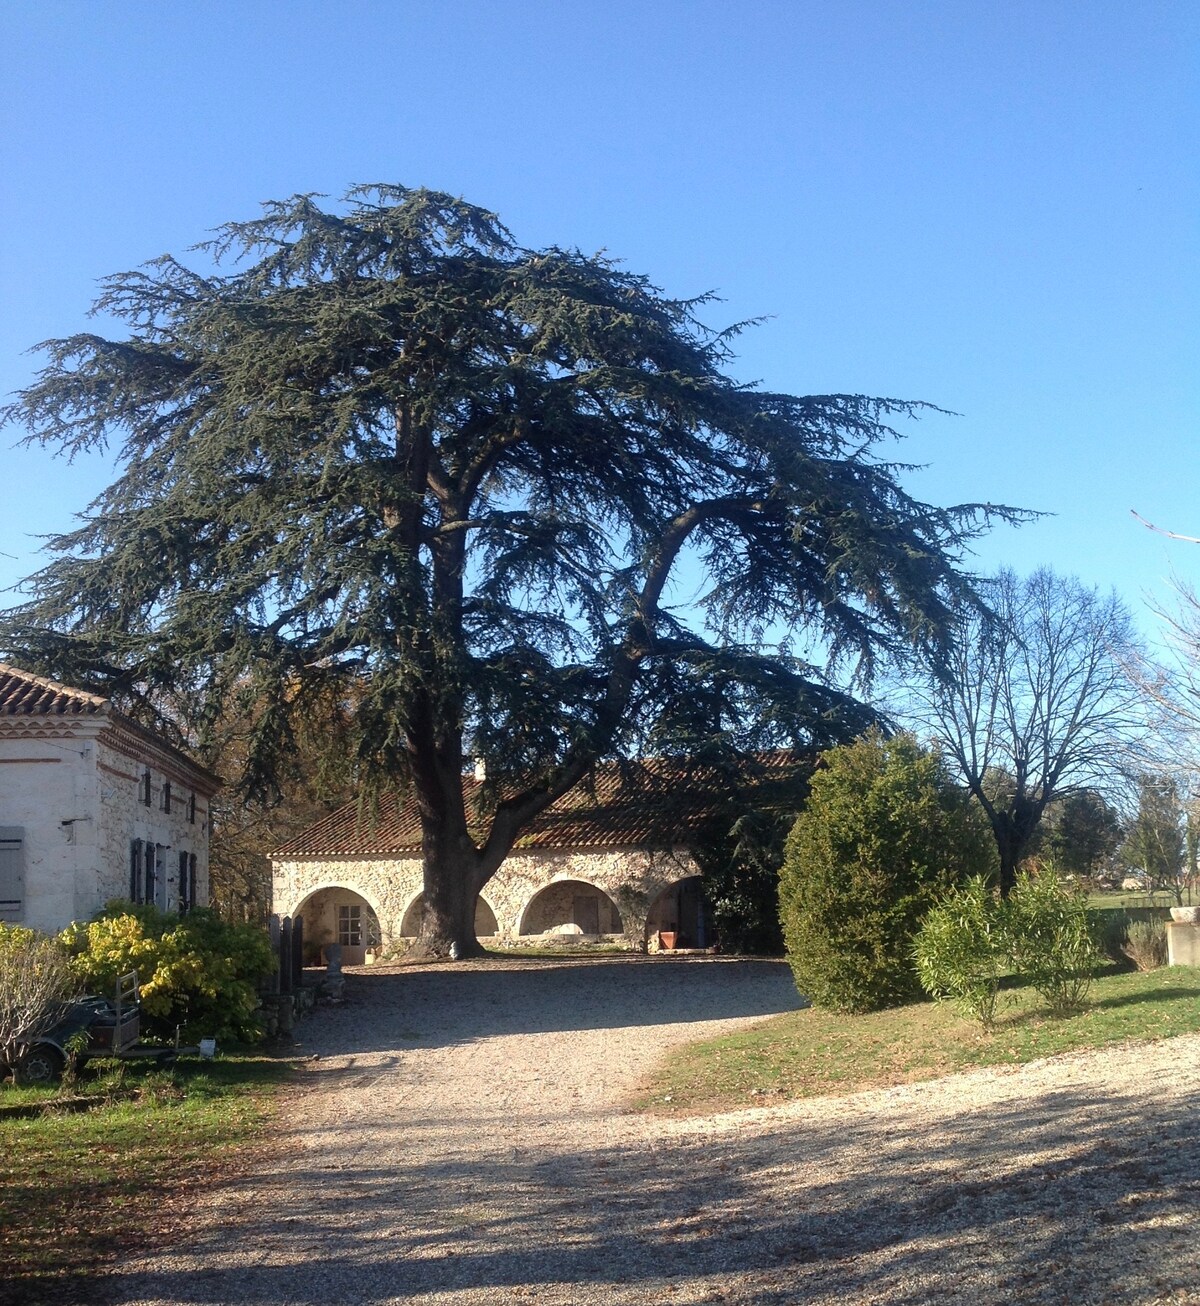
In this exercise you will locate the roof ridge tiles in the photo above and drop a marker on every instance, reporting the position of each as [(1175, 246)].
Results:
[(24, 694), (625, 805)]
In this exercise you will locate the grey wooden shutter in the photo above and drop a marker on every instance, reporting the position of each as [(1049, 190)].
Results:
[(12, 872)]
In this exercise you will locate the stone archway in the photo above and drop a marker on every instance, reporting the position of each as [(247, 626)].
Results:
[(337, 914), (678, 914), (485, 918), (570, 907)]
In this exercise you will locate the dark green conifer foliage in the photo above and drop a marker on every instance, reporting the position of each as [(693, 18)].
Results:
[(389, 447), (883, 836)]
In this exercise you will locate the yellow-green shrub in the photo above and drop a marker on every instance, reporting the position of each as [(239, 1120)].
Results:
[(963, 948), (196, 971)]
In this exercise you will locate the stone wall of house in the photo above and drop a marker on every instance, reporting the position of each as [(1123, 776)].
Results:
[(71, 805), (125, 816), (631, 879), (47, 794), (387, 884)]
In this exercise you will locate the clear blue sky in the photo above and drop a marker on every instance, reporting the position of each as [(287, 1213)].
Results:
[(989, 205)]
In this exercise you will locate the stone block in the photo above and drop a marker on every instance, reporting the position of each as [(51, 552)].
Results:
[(1183, 943)]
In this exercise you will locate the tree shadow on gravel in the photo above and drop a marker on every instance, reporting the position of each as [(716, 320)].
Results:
[(444, 1006), (1022, 1202)]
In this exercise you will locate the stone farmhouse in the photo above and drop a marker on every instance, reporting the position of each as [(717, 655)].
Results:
[(93, 807), (613, 859)]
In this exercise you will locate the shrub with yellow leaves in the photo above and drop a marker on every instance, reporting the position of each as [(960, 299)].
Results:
[(196, 971)]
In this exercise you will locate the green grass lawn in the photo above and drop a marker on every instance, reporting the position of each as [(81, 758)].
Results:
[(812, 1053), (1121, 899), (76, 1189)]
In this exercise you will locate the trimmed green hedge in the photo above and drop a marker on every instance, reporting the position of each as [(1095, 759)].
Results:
[(883, 836)]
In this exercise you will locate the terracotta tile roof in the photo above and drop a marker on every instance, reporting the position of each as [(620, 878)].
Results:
[(657, 803), (22, 694)]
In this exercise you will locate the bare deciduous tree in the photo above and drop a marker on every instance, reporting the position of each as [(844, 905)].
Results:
[(35, 983), (1039, 691), (1154, 841)]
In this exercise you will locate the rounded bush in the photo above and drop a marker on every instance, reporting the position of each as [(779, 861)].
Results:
[(883, 836)]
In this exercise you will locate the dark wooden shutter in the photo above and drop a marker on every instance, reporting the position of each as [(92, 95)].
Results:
[(135, 871), (12, 872), (191, 881)]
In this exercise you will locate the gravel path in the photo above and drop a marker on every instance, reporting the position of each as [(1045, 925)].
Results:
[(462, 1140)]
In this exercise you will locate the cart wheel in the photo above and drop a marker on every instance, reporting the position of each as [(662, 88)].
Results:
[(42, 1065)]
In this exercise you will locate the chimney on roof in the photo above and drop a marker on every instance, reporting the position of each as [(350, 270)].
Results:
[(480, 770)]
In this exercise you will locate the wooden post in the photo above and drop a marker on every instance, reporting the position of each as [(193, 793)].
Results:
[(285, 955), (274, 930), (297, 952)]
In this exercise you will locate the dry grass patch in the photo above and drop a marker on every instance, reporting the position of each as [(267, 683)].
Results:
[(814, 1053), (77, 1190)]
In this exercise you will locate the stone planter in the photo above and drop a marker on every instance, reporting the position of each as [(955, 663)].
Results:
[(1190, 914)]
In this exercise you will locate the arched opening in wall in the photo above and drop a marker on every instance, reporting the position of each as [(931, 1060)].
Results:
[(678, 915), (338, 915), (485, 919), (570, 907)]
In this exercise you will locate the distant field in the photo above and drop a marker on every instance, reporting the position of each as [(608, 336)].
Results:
[(1133, 901)]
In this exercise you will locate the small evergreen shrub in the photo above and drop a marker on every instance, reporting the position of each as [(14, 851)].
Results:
[(962, 949), (1053, 947), (1145, 944), (195, 971), (882, 837), (1043, 931)]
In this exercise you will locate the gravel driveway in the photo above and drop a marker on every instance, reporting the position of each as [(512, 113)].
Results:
[(462, 1139)]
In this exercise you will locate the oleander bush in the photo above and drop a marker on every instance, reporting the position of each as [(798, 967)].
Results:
[(963, 948), (1042, 932), (1052, 941)]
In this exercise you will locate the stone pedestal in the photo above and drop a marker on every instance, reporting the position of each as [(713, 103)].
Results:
[(1183, 943)]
